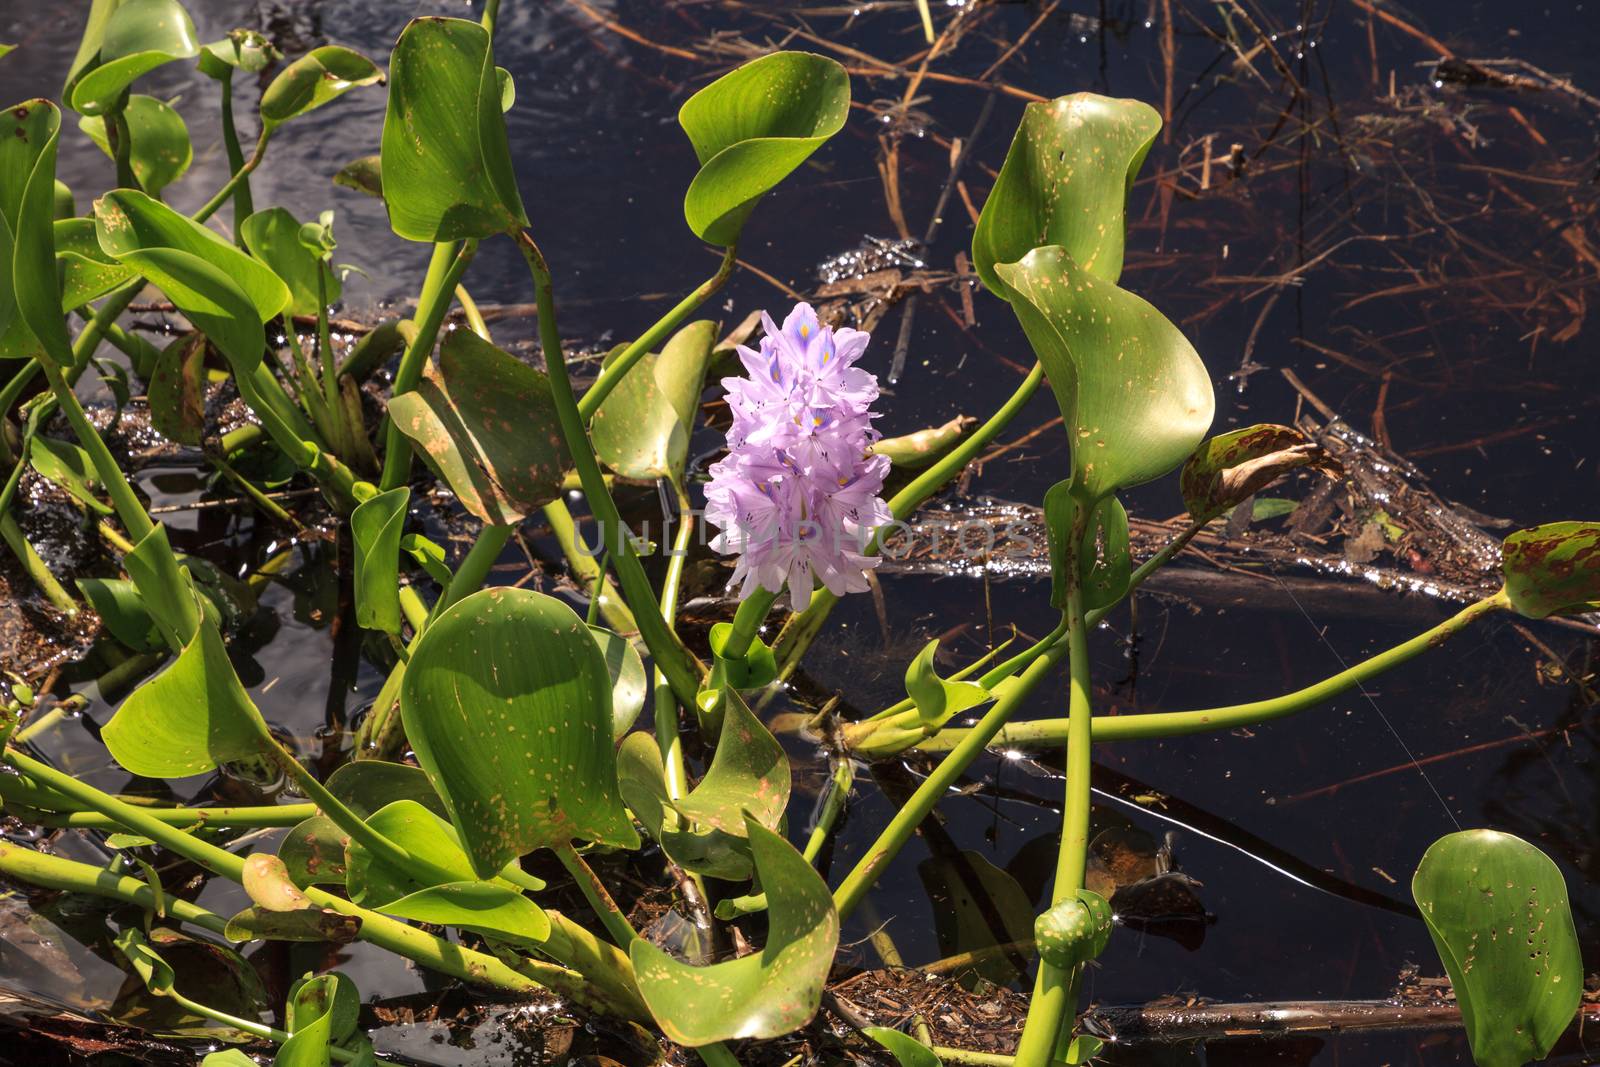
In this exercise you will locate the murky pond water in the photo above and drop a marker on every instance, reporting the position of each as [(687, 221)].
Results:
[(1417, 247)]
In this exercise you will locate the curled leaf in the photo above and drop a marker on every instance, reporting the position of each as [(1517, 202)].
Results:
[(375, 527), (938, 700), (1230, 468), (138, 37), (1553, 569), (321, 75), (1074, 930), (273, 237), (158, 147), (1105, 565), (628, 679), (267, 881)]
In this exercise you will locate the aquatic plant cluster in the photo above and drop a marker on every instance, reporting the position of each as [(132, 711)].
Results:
[(521, 716)]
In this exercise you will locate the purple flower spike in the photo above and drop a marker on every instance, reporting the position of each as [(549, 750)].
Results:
[(797, 496)]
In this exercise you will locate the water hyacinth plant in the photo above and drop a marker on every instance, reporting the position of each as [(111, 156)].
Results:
[(506, 736)]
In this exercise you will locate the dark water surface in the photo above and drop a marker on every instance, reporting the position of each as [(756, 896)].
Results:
[(1424, 262)]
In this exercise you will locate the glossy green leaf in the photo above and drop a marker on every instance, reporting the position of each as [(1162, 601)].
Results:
[(1135, 396), (496, 911), (311, 1027), (167, 589), (122, 610), (230, 1057), (1074, 930), (751, 128), (189, 718), (1065, 182), (375, 527), (629, 683), (764, 994), (313, 852), (158, 141), (1230, 468), (507, 703), (87, 272), (426, 836), (367, 786), (177, 390), (321, 75), (334, 994), (266, 880), (30, 294), (447, 172), (1105, 565), (138, 37), (1497, 910), (938, 700), (1553, 569), (65, 205), (224, 292), (146, 962), (311, 925), (246, 50), (364, 175), (906, 1050), (69, 467), (273, 237), (643, 428), (486, 424)]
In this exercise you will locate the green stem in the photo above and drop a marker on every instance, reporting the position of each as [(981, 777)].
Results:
[(445, 268), (474, 570), (747, 620), (129, 510), (839, 791), (588, 570), (240, 176), (243, 206), (70, 876), (122, 148), (469, 308), (1163, 724), (671, 657), (971, 1059), (803, 626), (933, 788), (599, 898), (664, 707), (613, 372)]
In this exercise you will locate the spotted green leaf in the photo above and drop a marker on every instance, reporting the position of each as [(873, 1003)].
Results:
[(753, 127), (762, 995), (1497, 910), (273, 237), (158, 141), (938, 700), (1230, 468), (321, 75), (1553, 569), (69, 467), (643, 428), (266, 880), (628, 679), (177, 390), (334, 993), (1074, 930), (447, 171), (1133, 392), (1105, 565), (322, 925), (310, 1022), (1065, 182), (375, 527), (136, 38), (87, 272), (313, 852), (507, 703), (189, 718), (486, 424), (224, 292), (496, 911)]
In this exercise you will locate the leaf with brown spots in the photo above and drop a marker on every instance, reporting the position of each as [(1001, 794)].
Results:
[(1553, 569), (1230, 468), (177, 390), (643, 428), (486, 424), (762, 995)]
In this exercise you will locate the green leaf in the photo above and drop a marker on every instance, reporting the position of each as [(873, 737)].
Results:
[(334, 994), (177, 391), (321, 75), (423, 834), (1497, 910), (1075, 930), (246, 50), (376, 526), (751, 128), (937, 700), (507, 703), (762, 995), (138, 37), (30, 295), (230, 1057), (167, 589), (310, 925), (486, 423), (1065, 182), (643, 428), (1553, 569), (907, 1050), (496, 911), (6, 50), (123, 611), (310, 1023), (189, 718), (224, 292), (364, 175), (69, 467), (628, 679), (273, 237), (151, 969), (1230, 468), (979, 907), (158, 141), (1105, 565), (1134, 394), (367, 786), (313, 852), (87, 272), (447, 171)]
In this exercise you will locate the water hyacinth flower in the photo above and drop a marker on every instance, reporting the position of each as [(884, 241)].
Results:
[(797, 497)]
